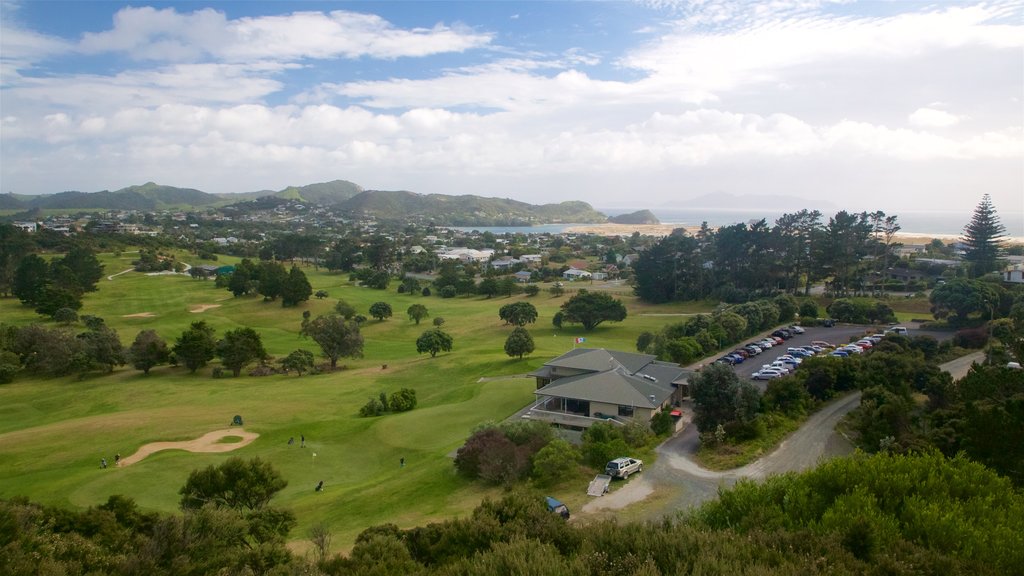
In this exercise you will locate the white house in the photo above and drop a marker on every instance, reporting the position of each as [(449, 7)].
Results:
[(1014, 275), (531, 258), (575, 274), (467, 254), (504, 263), (26, 226)]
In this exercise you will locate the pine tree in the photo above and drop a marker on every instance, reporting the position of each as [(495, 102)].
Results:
[(983, 237)]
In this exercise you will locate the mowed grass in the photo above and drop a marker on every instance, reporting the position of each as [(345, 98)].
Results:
[(53, 432)]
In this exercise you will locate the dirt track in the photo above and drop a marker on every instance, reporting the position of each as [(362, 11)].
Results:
[(209, 442)]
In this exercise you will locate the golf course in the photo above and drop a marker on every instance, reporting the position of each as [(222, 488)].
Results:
[(54, 432)]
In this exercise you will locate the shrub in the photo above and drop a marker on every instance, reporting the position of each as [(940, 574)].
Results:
[(971, 338), (662, 423), (448, 291), (531, 290), (438, 321), (373, 407), (556, 460), (403, 400), (425, 291)]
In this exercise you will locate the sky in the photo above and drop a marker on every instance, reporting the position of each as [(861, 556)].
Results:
[(890, 106)]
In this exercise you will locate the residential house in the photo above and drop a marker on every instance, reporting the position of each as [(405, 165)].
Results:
[(27, 226), (531, 258), (1014, 275), (576, 274), (523, 276), (587, 385), (504, 263)]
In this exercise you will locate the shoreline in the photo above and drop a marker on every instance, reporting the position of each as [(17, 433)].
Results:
[(611, 229)]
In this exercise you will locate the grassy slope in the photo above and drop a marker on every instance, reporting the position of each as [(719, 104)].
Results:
[(53, 432)]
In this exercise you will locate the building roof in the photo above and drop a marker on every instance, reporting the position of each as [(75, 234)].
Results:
[(613, 377)]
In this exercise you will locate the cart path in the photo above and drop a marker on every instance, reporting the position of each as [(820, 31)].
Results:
[(209, 442)]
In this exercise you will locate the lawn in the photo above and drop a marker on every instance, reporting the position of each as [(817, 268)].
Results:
[(54, 432)]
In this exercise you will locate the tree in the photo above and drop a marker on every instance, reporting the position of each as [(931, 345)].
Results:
[(148, 350), (519, 342), (336, 336), (55, 298), (380, 310), (488, 287), (531, 289), (243, 279), (296, 288), (434, 341), (299, 360), (402, 401), (102, 349), (65, 316), (518, 313), (49, 352), (15, 244), (30, 279), (196, 346), (417, 312), (84, 267), (555, 461), (271, 278), (556, 290), (719, 398), (345, 310), (321, 294), (959, 298), (983, 237), (239, 348), (240, 485), (592, 308)]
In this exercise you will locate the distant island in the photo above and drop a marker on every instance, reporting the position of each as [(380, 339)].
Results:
[(638, 217)]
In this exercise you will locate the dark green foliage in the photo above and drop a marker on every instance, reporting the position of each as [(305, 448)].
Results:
[(417, 312), (983, 237), (239, 348), (54, 298), (518, 313), (592, 308), (299, 361), (434, 341), (10, 364), (30, 279), (336, 336), (321, 294), (196, 346), (296, 288), (270, 279), (65, 316), (861, 311), (519, 342), (959, 300), (345, 310), (720, 398), (662, 424), (644, 341), (148, 350), (531, 290), (554, 462), (809, 309), (786, 395), (502, 454), (244, 279), (488, 287), (602, 442), (402, 401), (380, 310), (55, 352), (373, 407), (237, 484), (439, 321)]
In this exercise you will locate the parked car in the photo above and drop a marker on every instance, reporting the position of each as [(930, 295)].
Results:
[(839, 353), (737, 359), (766, 343), (726, 360), (741, 352), (782, 333), (623, 467), (557, 507), (828, 322), (900, 330), (778, 340), (755, 350), (781, 367), (766, 374), (822, 344), (796, 329)]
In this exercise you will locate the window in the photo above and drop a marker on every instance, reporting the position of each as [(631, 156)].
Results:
[(626, 411)]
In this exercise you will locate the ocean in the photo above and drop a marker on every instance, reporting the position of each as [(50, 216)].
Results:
[(914, 222)]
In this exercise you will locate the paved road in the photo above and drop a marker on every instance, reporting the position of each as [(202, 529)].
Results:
[(690, 485)]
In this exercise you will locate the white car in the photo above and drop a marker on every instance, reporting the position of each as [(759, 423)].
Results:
[(780, 366), (796, 329), (766, 344), (767, 374), (853, 349)]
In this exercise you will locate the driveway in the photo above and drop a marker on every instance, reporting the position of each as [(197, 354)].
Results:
[(679, 483)]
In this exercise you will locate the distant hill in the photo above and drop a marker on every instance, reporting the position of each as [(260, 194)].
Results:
[(324, 193), (467, 210), (346, 196), (638, 217)]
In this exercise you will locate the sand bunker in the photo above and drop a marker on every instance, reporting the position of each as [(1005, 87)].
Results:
[(208, 442), (202, 308), (139, 315)]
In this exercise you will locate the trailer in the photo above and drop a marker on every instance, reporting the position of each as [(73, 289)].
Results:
[(599, 485)]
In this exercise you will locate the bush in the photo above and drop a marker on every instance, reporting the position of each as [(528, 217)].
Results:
[(448, 291), (809, 308), (438, 321), (662, 423), (555, 461), (219, 372), (808, 321), (373, 407), (403, 400), (425, 292), (971, 338), (531, 290)]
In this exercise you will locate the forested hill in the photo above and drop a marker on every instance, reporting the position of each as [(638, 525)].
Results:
[(466, 210), (342, 195)]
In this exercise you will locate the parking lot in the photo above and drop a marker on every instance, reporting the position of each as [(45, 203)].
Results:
[(839, 335)]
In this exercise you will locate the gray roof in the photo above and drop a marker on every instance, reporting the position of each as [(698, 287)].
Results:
[(600, 360), (613, 377), (611, 387)]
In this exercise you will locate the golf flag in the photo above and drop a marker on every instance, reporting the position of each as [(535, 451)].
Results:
[(581, 340)]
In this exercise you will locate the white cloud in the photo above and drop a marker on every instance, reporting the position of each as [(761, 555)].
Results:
[(167, 35), (932, 118)]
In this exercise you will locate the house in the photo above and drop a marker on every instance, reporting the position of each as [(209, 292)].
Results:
[(26, 226), (911, 249), (906, 274), (1014, 275), (599, 276), (523, 276), (531, 258), (504, 263), (588, 385), (575, 274), (466, 254)]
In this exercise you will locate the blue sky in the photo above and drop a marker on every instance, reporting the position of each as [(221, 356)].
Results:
[(864, 105)]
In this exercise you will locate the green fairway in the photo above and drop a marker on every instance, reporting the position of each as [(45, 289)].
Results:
[(54, 432)]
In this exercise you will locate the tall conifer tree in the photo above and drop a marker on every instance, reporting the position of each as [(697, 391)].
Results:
[(983, 237)]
